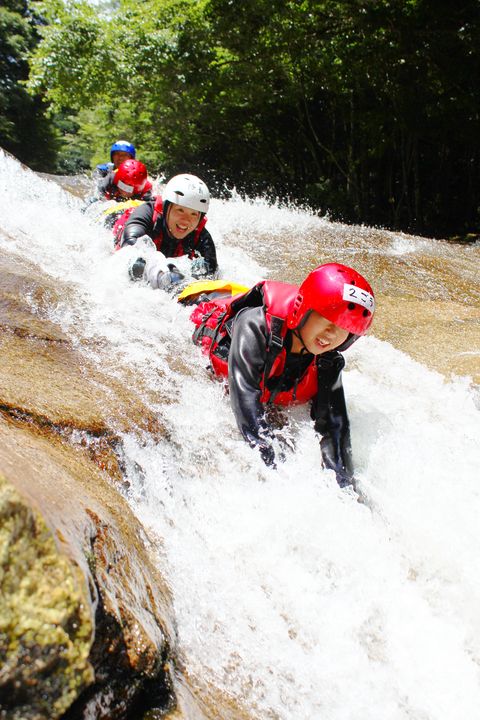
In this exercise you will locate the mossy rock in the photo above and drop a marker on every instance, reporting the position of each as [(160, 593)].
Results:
[(45, 623)]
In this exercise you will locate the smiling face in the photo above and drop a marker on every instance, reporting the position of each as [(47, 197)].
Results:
[(319, 335), (181, 221)]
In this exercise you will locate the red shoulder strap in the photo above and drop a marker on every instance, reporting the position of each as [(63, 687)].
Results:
[(198, 231), (157, 208), (277, 300)]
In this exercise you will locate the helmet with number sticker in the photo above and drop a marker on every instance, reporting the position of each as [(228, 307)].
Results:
[(338, 293)]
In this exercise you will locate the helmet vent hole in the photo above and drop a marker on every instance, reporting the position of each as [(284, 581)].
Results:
[(365, 313), (351, 306), (179, 192)]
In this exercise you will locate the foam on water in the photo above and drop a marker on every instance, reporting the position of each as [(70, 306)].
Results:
[(288, 593)]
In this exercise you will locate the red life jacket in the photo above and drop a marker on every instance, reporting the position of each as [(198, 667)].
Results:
[(119, 226), (158, 238), (211, 333)]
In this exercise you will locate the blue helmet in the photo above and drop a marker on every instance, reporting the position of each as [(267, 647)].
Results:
[(122, 146)]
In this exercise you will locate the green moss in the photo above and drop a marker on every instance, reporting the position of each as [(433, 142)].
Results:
[(45, 622)]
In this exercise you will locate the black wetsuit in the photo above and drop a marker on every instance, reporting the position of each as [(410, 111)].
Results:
[(247, 358), (141, 223)]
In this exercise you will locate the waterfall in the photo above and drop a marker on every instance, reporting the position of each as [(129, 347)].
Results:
[(288, 594)]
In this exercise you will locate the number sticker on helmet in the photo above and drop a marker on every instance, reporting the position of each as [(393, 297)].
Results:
[(352, 293), (123, 186)]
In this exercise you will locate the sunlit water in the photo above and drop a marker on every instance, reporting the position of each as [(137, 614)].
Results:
[(288, 593)]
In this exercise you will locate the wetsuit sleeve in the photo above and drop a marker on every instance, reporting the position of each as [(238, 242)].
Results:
[(102, 170), (329, 411), (105, 184), (139, 223), (246, 364), (206, 248)]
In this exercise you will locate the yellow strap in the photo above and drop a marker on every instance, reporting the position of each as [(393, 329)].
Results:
[(206, 286), (122, 206)]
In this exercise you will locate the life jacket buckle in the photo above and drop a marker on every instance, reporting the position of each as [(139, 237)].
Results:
[(275, 340)]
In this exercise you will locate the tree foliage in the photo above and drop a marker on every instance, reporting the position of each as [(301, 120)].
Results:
[(24, 130), (366, 108)]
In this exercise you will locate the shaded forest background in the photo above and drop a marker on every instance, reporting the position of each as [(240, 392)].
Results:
[(366, 110)]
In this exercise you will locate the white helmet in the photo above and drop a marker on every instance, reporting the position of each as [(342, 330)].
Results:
[(189, 191)]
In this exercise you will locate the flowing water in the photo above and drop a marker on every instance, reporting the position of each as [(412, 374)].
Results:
[(288, 593)]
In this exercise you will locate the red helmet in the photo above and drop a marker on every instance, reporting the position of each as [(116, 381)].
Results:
[(339, 294), (131, 176)]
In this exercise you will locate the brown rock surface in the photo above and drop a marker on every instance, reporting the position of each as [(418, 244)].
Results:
[(46, 378)]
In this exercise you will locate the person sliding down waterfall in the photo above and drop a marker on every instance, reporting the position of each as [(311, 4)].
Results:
[(175, 222), (128, 182), (280, 344), (125, 187), (120, 151)]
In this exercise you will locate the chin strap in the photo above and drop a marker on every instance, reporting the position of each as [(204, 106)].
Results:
[(296, 332), (303, 351), (348, 342)]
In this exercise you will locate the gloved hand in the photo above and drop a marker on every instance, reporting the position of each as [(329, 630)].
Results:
[(136, 269), (155, 270), (199, 268), (268, 455), (344, 480), (175, 275), (160, 275)]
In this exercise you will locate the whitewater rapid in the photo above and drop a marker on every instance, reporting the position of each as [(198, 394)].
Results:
[(288, 593)]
